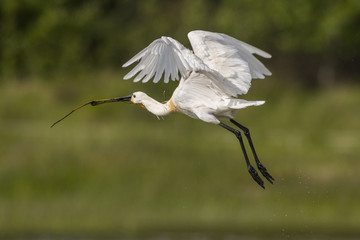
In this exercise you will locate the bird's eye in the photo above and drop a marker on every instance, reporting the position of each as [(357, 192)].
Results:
[(134, 96)]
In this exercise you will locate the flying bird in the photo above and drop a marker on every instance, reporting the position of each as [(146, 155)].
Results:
[(213, 75)]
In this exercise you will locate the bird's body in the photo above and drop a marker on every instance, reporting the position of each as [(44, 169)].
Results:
[(213, 75), (220, 69), (196, 102)]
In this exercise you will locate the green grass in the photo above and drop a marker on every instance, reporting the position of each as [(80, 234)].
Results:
[(116, 169)]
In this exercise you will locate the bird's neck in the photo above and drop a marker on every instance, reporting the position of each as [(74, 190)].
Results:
[(157, 108)]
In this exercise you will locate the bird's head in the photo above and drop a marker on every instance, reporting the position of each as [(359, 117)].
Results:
[(138, 98)]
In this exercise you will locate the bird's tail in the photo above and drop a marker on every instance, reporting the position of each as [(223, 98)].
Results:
[(240, 103)]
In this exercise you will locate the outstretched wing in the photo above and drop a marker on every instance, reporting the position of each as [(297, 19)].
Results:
[(232, 58), (163, 56)]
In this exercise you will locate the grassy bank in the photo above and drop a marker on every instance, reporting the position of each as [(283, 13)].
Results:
[(116, 169)]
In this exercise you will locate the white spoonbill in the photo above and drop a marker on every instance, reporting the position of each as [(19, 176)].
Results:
[(218, 69)]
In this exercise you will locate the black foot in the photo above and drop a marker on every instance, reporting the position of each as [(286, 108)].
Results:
[(265, 173), (255, 176)]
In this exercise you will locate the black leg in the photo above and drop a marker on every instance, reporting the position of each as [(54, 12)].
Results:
[(251, 169), (261, 167)]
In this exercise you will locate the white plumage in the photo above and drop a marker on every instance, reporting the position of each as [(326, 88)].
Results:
[(213, 75), (220, 68)]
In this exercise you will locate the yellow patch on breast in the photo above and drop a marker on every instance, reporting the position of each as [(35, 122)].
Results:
[(172, 107)]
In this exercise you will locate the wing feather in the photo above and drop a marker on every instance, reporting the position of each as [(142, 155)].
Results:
[(231, 58), (151, 73), (163, 57)]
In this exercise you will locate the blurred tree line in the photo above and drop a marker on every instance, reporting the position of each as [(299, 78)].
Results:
[(313, 41)]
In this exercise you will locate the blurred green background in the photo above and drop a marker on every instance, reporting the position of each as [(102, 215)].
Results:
[(116, 171)]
